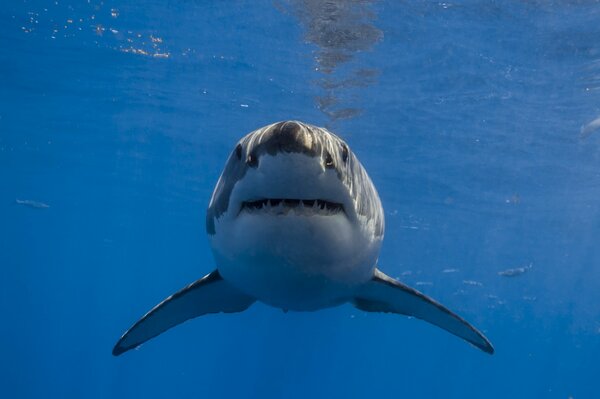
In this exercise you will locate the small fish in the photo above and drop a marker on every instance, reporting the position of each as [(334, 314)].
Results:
[(515, 272), (32, 204), (421, 283), (410, 227), (450, 271)]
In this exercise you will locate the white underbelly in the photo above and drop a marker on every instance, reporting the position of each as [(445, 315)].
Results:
[(294, 262)]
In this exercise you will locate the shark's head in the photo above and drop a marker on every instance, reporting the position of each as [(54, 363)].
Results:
[(294, 201), (294, 169)]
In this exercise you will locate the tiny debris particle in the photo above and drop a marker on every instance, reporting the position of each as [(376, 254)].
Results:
[(514, 199)]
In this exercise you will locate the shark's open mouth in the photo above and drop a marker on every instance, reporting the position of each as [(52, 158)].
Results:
[(282, 206)]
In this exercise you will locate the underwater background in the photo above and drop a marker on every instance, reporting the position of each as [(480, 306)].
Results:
[(478, 121)]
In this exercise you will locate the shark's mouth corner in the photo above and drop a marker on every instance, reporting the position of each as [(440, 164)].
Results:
[(282, 206)]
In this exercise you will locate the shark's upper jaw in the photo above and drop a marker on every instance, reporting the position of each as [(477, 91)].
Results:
[(292, 206), (292, 185)]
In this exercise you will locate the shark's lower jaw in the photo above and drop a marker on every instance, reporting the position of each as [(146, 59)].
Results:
[(283, 206)]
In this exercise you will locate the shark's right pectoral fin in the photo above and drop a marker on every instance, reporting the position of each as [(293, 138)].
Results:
[(384, 294), (210, 294)]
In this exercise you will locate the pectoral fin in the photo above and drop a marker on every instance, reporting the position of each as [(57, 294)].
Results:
[(210, 294), (384, 294)]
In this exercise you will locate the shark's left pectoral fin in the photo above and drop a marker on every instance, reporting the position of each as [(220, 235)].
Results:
[(210, 294), (384, 294)]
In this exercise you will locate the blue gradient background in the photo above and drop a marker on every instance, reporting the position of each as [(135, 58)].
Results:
[(470, 130)]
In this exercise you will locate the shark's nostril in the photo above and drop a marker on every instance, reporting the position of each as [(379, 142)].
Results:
[(344, 152)]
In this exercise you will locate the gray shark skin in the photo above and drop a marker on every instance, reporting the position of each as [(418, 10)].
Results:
[(296, 223)]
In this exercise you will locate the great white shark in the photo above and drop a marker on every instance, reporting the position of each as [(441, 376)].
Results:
[(295, 222)]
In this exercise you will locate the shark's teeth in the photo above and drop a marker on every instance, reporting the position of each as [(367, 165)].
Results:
[(282, 206)]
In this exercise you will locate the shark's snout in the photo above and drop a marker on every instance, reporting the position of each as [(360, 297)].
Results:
[(289, 137)]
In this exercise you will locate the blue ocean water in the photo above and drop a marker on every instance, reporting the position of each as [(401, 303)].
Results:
[(477, 121)]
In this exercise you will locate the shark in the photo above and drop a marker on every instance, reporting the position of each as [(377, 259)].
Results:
[(296, 223)]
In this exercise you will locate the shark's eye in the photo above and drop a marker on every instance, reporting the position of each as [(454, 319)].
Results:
[(344, 153), (328, 160), (252, 161), (238, 151)]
